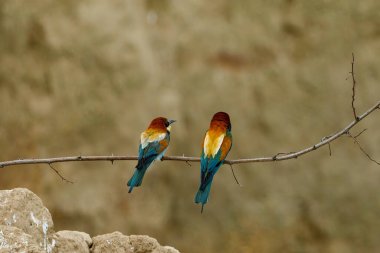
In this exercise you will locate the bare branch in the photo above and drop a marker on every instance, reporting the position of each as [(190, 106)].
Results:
[(353, 87), (325, 141), (181, 158), (360, 146), (66, 159), (278, 157), (274, 158)]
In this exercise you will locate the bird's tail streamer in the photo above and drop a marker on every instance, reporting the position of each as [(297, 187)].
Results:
[(136, 179), (202, 195)]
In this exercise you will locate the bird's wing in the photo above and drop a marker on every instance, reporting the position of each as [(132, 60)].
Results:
[(203, 157), (147, 137), (213, 154), (151, 149), (226, 146)]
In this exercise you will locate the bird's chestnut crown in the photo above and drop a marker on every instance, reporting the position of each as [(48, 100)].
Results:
[(221, 118), (161, 123)]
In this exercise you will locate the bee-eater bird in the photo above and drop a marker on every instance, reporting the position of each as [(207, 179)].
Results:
[(216, 145), (153, 143)]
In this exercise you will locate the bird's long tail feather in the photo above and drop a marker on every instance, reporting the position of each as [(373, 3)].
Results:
[(141, 168), (136, 179), (202, 195)]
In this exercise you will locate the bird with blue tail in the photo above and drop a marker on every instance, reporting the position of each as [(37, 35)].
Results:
[(154, 141), (216, 145)]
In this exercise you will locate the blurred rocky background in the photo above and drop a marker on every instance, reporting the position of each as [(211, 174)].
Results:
[(86, 77)]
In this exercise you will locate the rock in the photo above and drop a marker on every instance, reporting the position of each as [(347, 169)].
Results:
[(114, 242), (117, 242), (143, 243), (168, 249), (13, 239), (146, 244), (72, 241), (26, 226), (23, 209)]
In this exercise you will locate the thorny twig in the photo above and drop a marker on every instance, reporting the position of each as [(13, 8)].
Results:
[(62, 177), (361, 148), (233, 173), (353, 86), (356, 136), (324, 138)]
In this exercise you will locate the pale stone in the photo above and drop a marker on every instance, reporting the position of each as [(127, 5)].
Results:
[(72, 241), (13, 239), (114, 242), (23, 209)]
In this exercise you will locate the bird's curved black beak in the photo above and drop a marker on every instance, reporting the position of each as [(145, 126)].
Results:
[(171, 121)]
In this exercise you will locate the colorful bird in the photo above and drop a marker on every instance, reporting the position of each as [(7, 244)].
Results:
[(153, 143), (216, 145)]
